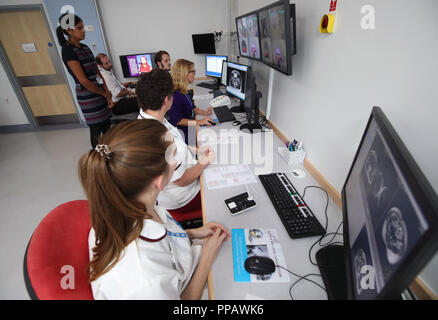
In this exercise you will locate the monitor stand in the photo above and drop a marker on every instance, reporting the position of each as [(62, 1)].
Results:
[(238, 109), (331, 263), (251, 127)]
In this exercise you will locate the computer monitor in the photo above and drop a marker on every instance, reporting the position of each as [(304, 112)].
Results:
[(134, 65), (390, 217), (278, 35), (248, 35), (213, 65), (224, 73), (251, 104), (236, 79), (204, 43)]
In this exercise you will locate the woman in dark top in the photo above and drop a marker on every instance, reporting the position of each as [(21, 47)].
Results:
[(183, 109), (94, 100)]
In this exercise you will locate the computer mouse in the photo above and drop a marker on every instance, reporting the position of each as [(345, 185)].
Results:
[(212, 123), (259, 265), (236, 123)]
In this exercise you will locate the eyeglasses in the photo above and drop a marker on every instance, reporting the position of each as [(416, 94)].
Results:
[(194, 71)]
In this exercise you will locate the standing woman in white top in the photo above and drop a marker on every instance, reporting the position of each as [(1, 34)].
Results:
[(137, 250)]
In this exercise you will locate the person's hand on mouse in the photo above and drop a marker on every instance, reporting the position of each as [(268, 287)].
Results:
[(208, 230), (204, 122)]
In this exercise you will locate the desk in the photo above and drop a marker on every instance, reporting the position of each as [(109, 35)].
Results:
[(221, 284)]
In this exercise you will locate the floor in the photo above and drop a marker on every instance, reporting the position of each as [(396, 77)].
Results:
[(38, 171)]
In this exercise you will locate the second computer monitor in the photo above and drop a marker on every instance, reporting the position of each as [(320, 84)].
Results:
[(236, 79), (224, 73), (134, 65), (213, 65)]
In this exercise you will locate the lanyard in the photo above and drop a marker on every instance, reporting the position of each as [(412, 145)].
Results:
[(189, 100)]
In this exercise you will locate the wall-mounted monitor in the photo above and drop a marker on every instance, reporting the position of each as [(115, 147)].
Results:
[(248, 35), (204, 43), (277, 35), (134, 65)]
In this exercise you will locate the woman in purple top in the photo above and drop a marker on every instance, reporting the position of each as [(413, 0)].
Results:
[(182, 113)]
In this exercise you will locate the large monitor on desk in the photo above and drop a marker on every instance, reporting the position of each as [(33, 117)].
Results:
[(236, 79), (241, 83), (390, 216), (134, 65)]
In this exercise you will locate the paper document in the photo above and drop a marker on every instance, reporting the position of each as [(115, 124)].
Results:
[(228, 176), (203, 96), (210, 137), (257, 242)]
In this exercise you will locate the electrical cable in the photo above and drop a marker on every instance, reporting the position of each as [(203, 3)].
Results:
[(330, 242), (301, 278)]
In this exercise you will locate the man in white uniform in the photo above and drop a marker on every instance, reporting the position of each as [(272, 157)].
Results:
[(124, 98), (155, 94)]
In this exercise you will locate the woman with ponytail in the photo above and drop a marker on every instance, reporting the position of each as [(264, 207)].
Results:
[(137, 250), (93, 98)]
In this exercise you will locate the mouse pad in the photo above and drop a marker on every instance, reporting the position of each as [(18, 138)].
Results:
[(257, 242)]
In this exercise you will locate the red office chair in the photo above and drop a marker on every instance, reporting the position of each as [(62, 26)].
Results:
[(57, 256), (189, 216)]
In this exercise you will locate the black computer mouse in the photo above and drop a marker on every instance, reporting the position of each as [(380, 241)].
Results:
[(259, 265), (206, 125)]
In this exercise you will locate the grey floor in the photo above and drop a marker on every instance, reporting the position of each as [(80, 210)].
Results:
[(38, 171)]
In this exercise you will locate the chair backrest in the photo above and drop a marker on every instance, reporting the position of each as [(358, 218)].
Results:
[(57, 256)]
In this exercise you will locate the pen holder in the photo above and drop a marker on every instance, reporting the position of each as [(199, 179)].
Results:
[(292, 157)]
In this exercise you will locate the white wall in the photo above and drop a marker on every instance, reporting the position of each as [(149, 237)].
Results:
[(137, 26), (11, 112), (338, 78)]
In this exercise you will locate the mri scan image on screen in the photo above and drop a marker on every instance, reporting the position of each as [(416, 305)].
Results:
[(248, 34), (391, 223)]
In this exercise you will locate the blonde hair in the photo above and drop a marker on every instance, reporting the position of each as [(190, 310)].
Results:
[(135, 155), (180, 70)]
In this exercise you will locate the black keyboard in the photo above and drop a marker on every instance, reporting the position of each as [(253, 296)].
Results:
[(294, 213), (224, 114), (212, 86)]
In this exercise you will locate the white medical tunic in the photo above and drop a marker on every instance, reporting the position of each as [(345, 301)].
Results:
[(158, 265), (173, 196)]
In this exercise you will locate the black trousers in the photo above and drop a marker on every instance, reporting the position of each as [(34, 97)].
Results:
[(96, 130), (125, 106)]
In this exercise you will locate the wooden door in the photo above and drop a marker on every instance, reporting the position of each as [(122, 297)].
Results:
[(34, 59)]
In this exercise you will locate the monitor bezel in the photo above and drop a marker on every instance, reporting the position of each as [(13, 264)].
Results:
[(214, 55), (211, 36), (246, 76), (124, 63), (225, 61), (427, 199), (256, 12), (287, 8)]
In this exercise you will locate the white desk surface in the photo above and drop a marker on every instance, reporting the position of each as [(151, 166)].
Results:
[(263, 216)]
